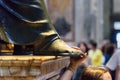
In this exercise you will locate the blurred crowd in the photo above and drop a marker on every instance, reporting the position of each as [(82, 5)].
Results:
[(104, 55)]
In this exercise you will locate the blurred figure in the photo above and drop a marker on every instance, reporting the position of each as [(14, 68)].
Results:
[(95, 54), (114, 64), (95, 73), (83, 47), (104, 44), (109, 50), (67, 72), (89, 73), (103, 48)]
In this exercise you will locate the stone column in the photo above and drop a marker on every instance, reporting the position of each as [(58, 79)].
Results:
[(99, 26), (79, 21), (116, 6), (89, 20)]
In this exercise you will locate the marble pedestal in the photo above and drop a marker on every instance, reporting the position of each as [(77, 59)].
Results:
[(31, 67)]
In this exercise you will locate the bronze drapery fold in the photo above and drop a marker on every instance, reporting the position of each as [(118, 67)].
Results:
[(26, 23)]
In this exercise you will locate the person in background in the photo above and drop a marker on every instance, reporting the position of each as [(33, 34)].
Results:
[(95, 73), (83, 47), (103, 45), (95, 54), (114, 64), (67, 72), (90, 73), (109, 50)]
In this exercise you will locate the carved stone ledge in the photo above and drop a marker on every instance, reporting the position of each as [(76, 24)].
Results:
[(29, 67), (22, 61)]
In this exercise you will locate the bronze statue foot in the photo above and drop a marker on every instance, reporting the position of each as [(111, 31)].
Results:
[(59, 48)]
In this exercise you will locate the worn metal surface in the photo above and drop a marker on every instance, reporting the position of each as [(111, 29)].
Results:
[(25, 22)]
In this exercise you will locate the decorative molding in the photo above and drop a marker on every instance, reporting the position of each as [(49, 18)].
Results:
[(37, 67)]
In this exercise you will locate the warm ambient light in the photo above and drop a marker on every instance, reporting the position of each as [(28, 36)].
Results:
[(42, 58), (7, 48)]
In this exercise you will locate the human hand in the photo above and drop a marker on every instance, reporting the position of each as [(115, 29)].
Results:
[(74, 62)]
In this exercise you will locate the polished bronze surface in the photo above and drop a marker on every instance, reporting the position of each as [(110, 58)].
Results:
[(26, 22)]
